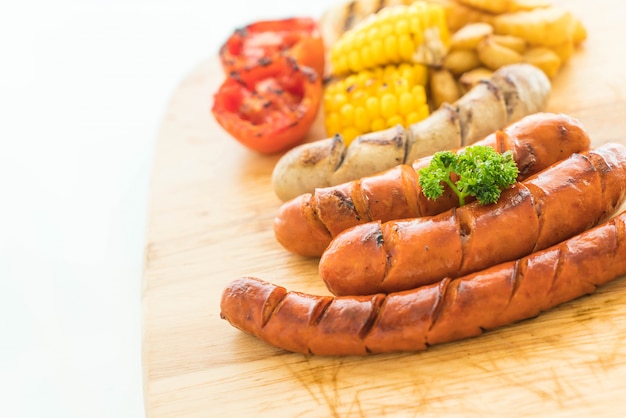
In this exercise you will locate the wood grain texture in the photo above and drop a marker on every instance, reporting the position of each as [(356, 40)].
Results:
[(210, 221)]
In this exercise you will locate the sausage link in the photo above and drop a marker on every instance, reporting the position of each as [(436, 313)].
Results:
[(554, 204), (512, 91), (448, 310), (306, 224)]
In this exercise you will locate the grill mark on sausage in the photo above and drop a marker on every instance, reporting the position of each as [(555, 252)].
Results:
[(538, 206), (338, 142), (360, 203), (465, 230), (320, 310), (603, 168), (510, 100), (438, 306), (273, 302), (312, 205), (377, 303), (557, 269), (396, 140), (410, 183), (410, 139), (517, 275), (380, 241), (524, 153), (345, 204)]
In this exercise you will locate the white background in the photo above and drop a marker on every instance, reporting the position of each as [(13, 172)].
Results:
[(83, 85)]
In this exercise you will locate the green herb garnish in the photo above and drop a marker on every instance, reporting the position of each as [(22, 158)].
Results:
[(477, 171)]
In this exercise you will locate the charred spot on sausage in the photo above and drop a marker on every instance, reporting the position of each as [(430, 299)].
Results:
[(344, 203), (377, 303), (526, 163)]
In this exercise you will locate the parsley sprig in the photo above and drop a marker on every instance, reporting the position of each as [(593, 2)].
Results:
[(477, 171)]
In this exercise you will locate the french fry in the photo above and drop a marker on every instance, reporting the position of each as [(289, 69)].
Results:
[(461, 61), (504, 6), (494, 55), (543, 58), (564, 51), (539, 27), (580, 32), (512, 42), (443, 87), (491, 6), (470, 35), (459, 14)]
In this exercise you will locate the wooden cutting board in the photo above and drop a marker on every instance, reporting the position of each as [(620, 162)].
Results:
[(210, 221)]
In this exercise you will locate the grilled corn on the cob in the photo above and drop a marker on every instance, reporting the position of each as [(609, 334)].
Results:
[(373, 100), (402, 33)]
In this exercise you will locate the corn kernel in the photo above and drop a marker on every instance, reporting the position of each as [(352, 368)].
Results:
[(391, 49), (389, 72), (395, 120), (361, 121), (405, 72), (360, 39), (412, 118), (372, 34), (419, 94), (329, 103), (332, 123), (341, 64), (363, 76), (378, 125), (354, 61), (349, 134), (340, 99), (347, 115), (424, 111), (359, 97), (418, 30), (366, 54), (406, 47), (406, 103), (420, 72), (372, 107), (401, 27), (385, 30), (388, 105), (421, 113), (378, 52)]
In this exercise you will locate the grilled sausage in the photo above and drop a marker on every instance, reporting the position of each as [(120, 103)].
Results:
[(451, 309), (512, 92), (555, 204), (306, 225)]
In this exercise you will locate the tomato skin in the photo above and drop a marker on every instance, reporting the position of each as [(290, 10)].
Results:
[(269, 108), (297, 37)]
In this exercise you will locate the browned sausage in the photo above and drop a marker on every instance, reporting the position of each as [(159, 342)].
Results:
[(448, 310), (554, 204), (306, 224)]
